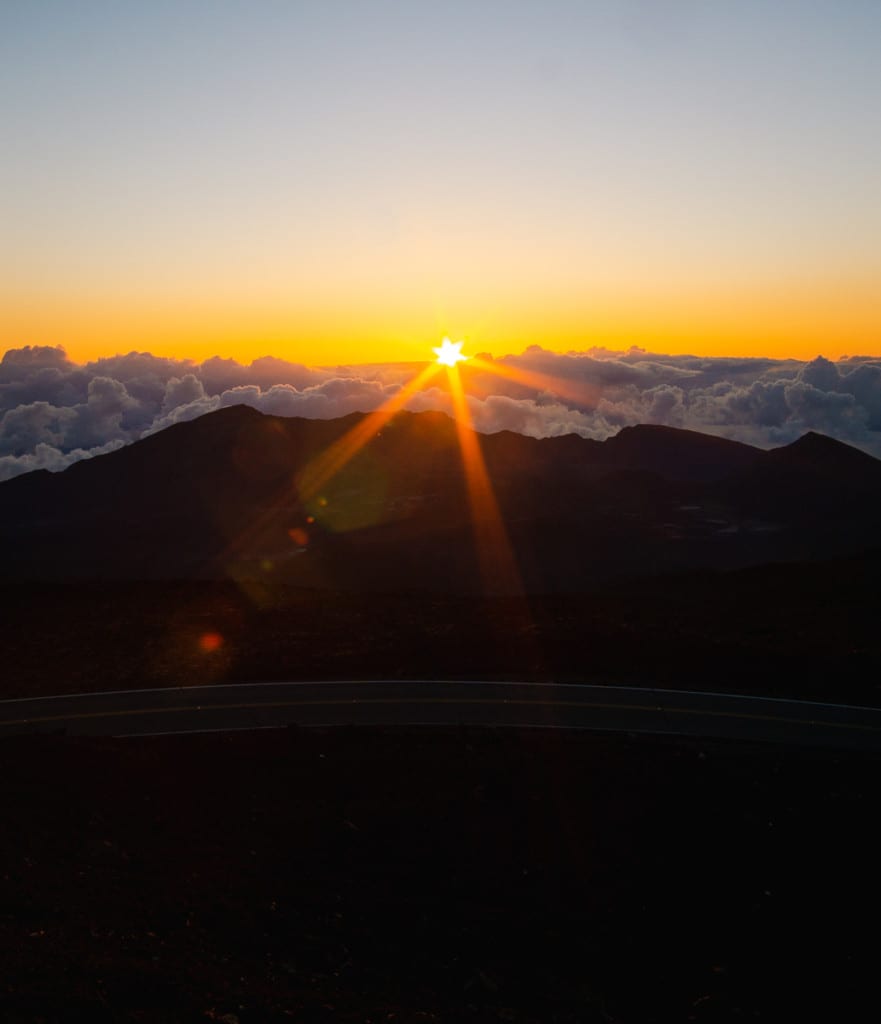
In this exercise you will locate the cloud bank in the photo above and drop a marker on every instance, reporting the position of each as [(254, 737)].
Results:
[(54, 412)]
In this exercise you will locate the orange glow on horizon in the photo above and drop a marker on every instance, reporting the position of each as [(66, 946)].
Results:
[(790, 320)]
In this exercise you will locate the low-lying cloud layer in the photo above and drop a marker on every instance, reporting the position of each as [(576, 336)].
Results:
[(54, 412)]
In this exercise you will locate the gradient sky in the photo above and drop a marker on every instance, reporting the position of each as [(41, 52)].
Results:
[(347, 181)]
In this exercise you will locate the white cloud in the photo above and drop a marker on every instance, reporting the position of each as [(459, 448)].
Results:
[(53, 412), (45, 456)]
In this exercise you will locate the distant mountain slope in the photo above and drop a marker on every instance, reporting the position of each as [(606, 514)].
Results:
[(821, 454), (220, 496), (679, 454)]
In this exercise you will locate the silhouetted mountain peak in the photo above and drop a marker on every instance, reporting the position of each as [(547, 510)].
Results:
[(653, 433), (813, 442), (679, 454), (818, 451)]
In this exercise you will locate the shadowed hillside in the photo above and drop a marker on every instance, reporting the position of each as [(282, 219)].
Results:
[(222, 497)]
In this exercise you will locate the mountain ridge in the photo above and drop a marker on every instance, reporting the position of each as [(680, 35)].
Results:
[(220, 495)]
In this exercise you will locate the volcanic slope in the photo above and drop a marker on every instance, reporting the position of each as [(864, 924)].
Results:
[(239, 494)]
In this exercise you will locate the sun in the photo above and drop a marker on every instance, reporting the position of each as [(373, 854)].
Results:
[(450, 352)]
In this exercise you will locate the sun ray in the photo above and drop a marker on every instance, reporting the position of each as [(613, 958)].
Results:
[(580, 392), (496, 557), (498, 566), (326, 465), (318, 473)]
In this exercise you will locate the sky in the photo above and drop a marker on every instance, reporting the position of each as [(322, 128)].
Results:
[(347, 182)]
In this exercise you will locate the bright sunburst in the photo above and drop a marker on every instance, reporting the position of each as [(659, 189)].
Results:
[(450, 352)]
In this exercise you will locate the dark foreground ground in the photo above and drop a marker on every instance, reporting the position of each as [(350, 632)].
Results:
[(805, 631), (435, 875)]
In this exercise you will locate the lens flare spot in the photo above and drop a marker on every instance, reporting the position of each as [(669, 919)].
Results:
[(299, 536), (210, 642), (310, 519)]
